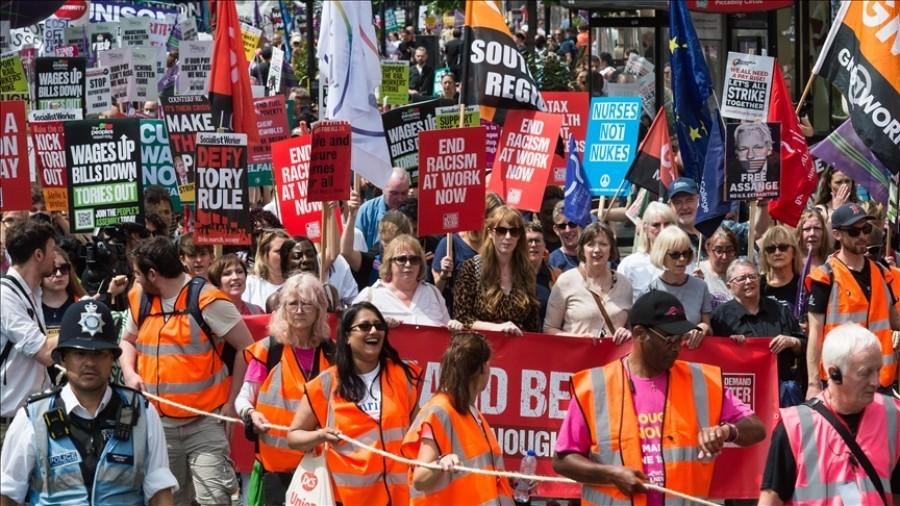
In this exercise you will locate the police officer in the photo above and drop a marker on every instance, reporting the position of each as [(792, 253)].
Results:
[(88, 442)]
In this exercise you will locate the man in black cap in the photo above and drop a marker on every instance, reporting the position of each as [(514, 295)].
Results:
[(649, 417), (850, 288), (88, 442)]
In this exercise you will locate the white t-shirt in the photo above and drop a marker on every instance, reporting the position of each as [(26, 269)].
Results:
[(341, 278), (371, 402), (639, 271), (258, 290), (427, 308)]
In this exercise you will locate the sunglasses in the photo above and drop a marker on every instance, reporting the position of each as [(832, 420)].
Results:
[(565, 226), (406, 259), (511, 231), (677, 255), (780, 247), (854, 232), (669, 340), (366, 327), (62, 270)]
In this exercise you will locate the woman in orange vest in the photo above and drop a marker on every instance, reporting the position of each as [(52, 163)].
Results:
[(451, 431), (297, 349), (369, 395)]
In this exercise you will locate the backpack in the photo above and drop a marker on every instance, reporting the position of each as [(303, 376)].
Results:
[(195, 286), (14, 285)]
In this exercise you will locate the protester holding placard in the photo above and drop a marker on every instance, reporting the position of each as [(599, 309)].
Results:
[(637, 267), (267, 275), (370, 213), (721, 249), (496, 290)]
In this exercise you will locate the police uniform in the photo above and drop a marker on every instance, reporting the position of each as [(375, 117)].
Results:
[(58, 452)]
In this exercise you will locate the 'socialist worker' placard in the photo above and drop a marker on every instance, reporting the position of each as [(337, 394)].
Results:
[(451, 180), (748, 79), (222, 216), (611, 142), (753, 160)]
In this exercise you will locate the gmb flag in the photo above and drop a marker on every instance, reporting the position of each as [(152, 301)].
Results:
[(861, 57), (495, 73)]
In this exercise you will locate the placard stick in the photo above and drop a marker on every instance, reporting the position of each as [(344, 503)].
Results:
[(615, 196), (751, 231), (806, 89), (323, 242)]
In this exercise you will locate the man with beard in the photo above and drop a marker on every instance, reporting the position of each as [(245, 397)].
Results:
[(88, 442), (25, 346), (851, 288), (615, 436)]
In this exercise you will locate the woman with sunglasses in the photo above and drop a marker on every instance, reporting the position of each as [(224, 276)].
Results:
[(61, 290), (496, 290), (402, 294), (780, 265), (370, 394), (721, 250), (637, 267), (365, 264), (673, 254), (451, 416)]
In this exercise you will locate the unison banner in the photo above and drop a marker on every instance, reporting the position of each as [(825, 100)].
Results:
[(222, 190)]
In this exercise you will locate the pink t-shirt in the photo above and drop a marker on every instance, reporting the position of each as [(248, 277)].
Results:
[(650, 400), (257, 372)]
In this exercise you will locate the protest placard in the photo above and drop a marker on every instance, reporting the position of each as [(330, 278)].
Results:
[(4, 35), (75, 35), (156, 159), (121, 72), (144, 79), (195, 58), (250, 35), (271, 123), (611, 142), (222, 215), (573, 106), (97, 90), (104, 160), (329, 164), (748, 80), (402, 126), (448, 117), (55, 115), (102, 37), (13, 81), (134, 32), (60, 83), (186, 116), (394, 82), (525, 157), (290, 166), (752, 161), (260, 174), (273, 80), (49, 141), (451, 180), (188, 28), (54, 35), (15, 192), (70, 51)]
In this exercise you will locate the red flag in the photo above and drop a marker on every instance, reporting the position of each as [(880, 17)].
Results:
[(654, 168), (229, 86), (798, 173)]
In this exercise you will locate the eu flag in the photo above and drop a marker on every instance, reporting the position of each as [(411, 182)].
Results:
[(578, 196), (691, 89), (713, 207)]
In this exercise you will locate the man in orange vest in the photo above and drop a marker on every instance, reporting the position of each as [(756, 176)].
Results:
[(173, 353), (649, 417), (841, 447), (850, 288)]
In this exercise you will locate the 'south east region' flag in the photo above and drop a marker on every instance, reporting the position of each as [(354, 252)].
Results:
[(861, 56), (349, 65), (654, 168), (844, 149), (495, 74), (229, 85)]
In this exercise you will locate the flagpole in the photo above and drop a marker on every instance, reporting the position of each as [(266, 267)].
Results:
[(806, 90), (602, 206)]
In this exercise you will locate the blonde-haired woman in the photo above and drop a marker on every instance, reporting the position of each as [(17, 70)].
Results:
[(672, 253), (637, 267), (813, 238), (267, 276), (277, 368), (496, 289), (780, 265), (402, 294)]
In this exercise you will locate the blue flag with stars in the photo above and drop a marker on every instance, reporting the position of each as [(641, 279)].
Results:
[(691, 89), (578, 196), (713, 207)]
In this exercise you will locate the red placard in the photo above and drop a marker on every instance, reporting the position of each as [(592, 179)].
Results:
[(329, 165), (290, 166), (15, 192), (272, 125), (451, 180), (525, 157), (573, 106), (737, 5), (49, 140)]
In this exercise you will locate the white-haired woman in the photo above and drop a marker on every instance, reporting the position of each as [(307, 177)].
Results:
[(637, 267)]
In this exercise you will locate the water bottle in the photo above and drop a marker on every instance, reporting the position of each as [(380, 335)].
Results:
[(522, 493)]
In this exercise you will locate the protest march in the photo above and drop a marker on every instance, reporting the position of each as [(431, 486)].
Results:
[(278, 252)]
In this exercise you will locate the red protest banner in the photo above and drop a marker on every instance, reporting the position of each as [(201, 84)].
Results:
[(272, 125), (290, 166), (525, 157), (221, 216), (329, 164), (49, 140), (15, 193), (451, 180), (572, 106)]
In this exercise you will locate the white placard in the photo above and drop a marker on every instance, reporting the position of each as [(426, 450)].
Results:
[(748, 82), (97, 90), (273, 80), (196, 66)]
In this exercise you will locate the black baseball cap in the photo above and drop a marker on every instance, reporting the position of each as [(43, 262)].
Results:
[(848, 215), (88, 325), (661, 311), (683, 185)]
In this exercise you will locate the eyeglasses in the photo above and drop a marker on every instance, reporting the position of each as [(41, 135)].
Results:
[(744, 278), (511, 231), (780, 247), (854, 231), (677, 255), (62, 270), (566, 226), (406, 259), (723, 251), (366, 327), (669, 340)]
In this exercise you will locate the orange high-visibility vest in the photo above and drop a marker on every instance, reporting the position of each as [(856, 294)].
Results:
[(473, 442), (895, 286), (176, 359), (694, 400), (279, 396), (359, 476), (824, 466), (848, 304)]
